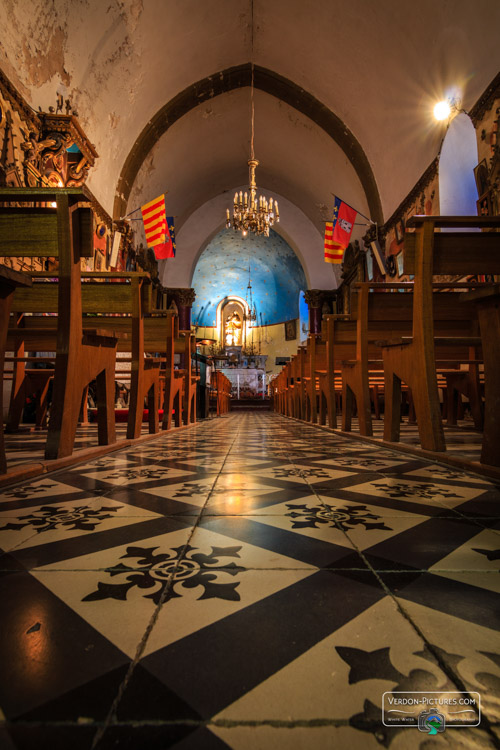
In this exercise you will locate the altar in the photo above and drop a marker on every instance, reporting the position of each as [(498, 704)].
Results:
[(236, 354), (246, 382)]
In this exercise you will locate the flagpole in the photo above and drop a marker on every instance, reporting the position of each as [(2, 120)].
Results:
[(354, 209), (139, 208)]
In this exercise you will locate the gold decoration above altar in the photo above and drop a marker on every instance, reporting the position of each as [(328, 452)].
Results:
[(233, 330)]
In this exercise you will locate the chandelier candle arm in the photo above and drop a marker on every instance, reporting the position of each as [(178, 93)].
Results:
[(250, 214)]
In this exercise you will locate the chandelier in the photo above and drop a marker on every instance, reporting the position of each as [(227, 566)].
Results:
[(250, 215)]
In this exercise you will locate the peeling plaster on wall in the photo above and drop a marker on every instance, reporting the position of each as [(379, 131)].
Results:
[(38, 36), (131, 13), (383, 95), (44, 58), (114, 120), (115, 48)]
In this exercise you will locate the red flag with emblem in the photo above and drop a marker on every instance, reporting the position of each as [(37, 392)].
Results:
[(167, 248), (338, 233)]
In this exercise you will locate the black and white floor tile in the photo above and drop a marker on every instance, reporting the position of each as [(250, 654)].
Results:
[(252, 582)]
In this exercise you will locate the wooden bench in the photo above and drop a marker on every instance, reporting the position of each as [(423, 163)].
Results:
[(337, 344), (278, 389), (383, 314), (125, 303), (429, 251), (64, 233), (9, 281), (221, 390), (295, 384), (111, 300)]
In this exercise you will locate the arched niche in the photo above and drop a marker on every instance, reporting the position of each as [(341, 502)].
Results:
[(230, 335), (458, 158)]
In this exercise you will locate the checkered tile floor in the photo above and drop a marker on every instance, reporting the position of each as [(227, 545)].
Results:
[(28, 446), (252, 582)]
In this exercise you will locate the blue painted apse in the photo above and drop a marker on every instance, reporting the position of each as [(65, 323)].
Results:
[(222, 270)]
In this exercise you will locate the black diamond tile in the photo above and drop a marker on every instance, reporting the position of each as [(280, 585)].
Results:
[(47, 737), (145, 697), (83, 545), (426, 543), (46, 649), (237, 653), (307, 550), (470, 603)]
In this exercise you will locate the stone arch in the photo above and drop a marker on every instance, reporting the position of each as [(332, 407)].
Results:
[(228, 80)]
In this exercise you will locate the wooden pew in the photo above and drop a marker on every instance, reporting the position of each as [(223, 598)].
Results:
[(284, 400), (413, 360), (9, 281), (278, 391), (336, 344), (120, 301), (191, 379), (382, 314), (64, 233), (295, 384), (161, 336), (221, 388), (488, 307), (174, 379), (308, 392)]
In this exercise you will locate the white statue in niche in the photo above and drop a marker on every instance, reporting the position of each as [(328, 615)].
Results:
[(232, 330)]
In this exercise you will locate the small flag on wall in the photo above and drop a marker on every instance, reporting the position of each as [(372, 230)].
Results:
[(167, 248), (158, 228), (154, 218), (338, 232), (332, 254)]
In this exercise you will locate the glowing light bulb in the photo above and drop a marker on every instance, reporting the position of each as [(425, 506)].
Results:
[(442, 110), (244, 233)]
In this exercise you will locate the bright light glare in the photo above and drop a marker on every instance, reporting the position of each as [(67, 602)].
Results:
[(442, 110)]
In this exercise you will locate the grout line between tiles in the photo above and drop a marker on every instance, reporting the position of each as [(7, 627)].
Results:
[(111, 717), (446, 668)]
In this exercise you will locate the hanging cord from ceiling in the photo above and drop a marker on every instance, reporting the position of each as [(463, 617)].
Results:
[(252, 106)]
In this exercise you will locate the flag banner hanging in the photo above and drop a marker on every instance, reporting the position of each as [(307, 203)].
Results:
[(167, 248), (333, 254), (338, 233), (155, 221)]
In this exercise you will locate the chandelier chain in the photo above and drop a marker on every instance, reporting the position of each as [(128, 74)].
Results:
[(250, 214), (252, 106), (252, 152)]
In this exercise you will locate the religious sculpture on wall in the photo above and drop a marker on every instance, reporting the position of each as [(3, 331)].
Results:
[(232, 330)]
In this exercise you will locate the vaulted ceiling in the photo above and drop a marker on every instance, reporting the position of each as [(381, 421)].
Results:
[(344, 93)]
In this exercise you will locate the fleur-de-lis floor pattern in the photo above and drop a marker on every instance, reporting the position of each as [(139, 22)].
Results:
[(249, 582)]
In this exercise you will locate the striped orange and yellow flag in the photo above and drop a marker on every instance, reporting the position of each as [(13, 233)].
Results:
[(155, 221), (334, 253)]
